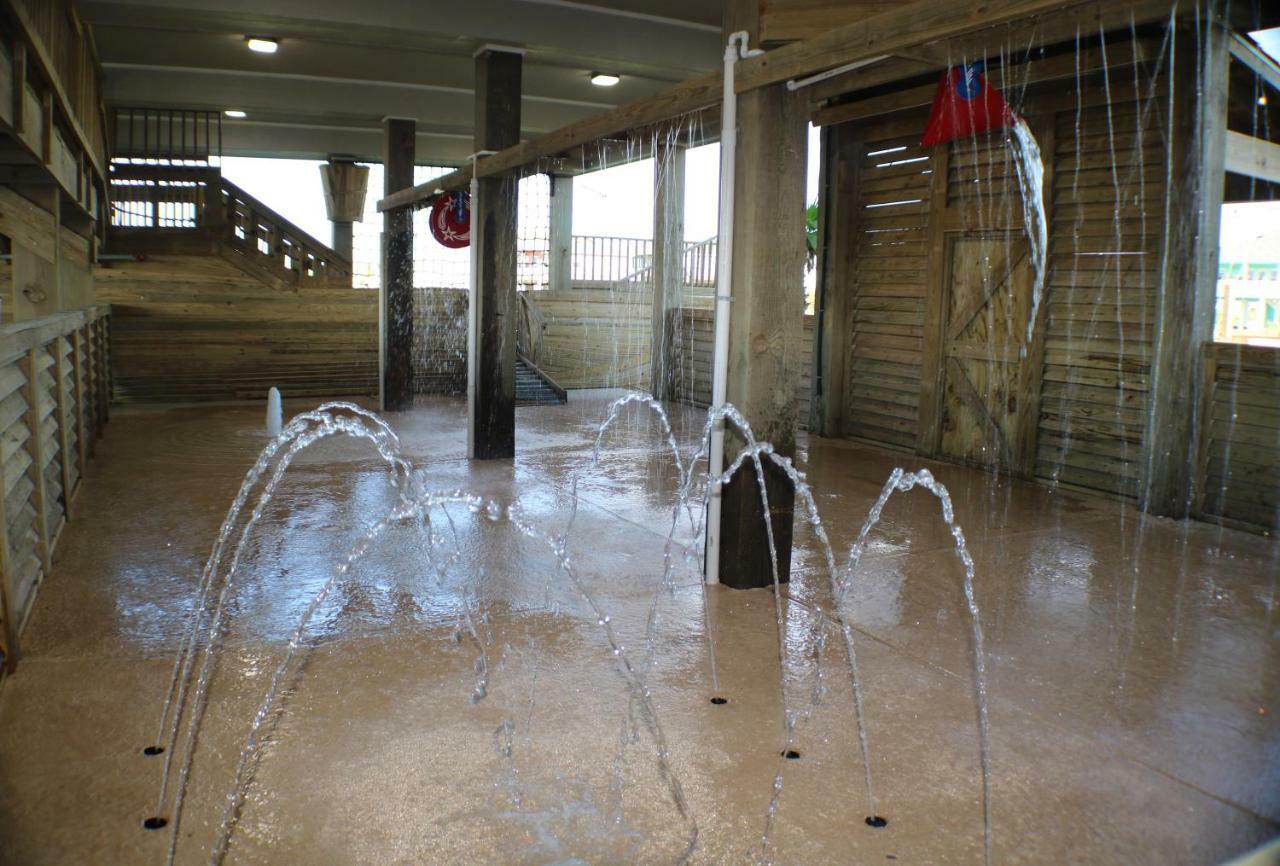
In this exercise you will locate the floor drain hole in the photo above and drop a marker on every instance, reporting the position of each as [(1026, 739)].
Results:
[(153, 750), (719, 701), (791, 754), (877, 822), (155, 823)]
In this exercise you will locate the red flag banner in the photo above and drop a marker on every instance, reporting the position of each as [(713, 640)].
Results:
[(965, 104)]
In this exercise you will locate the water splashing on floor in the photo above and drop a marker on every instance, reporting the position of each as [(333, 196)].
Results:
[(423, 509)]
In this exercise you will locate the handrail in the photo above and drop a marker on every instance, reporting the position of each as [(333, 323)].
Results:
[(198, 202), (282, 222), (17, 338)]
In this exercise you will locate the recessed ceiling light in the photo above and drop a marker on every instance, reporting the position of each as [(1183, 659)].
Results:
[(262, 44), (604, 79), (235, 112)]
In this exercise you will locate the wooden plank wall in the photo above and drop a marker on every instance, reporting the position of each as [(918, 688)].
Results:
[(54, 392), (1105, 234), (1238, 477), (596, 337), (693, 347), (886, 282), (1105, 170), (195, 328)]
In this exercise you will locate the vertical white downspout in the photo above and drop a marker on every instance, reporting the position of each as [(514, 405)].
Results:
[(473, 343), (733, 50), (473, 322)]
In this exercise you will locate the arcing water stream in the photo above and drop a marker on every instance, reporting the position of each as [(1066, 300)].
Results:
[(187, 697)]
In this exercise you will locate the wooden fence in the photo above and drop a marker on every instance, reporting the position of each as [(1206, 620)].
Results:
[(1238, 472), (54, 391)]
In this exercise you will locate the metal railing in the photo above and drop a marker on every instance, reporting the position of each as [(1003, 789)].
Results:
[(603, 259)]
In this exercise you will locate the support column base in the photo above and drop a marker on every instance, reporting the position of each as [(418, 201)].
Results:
[(745, 561)]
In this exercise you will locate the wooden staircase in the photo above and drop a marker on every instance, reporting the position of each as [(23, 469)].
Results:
[(216, 297), (158, 210), (534, 387)]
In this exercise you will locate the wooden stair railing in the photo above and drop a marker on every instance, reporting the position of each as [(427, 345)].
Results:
[(158, 209)]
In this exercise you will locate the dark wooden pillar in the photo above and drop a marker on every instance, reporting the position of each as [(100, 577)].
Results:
[(766, 350), (1189, 279), (668, 259), (397, 268), (491, 384)]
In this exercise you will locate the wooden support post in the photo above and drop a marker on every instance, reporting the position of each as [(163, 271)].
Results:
[(397, 269), (767, 326), (9, 630), (77, 367), (491, 380), (64, 440), (837, 232), (668, 259), (561, 266), (1190, 260), (35, 450), (102, 391)]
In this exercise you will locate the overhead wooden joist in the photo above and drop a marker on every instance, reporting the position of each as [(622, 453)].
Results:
[(898, 30), (693, 95), (1066, 66), (888, 33)]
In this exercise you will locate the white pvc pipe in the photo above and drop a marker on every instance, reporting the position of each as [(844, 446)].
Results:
[(473, 336), (801, 83), (735, 48), (473, 326)]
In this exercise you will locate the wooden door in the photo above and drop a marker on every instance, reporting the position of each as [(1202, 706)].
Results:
[(985, 375)]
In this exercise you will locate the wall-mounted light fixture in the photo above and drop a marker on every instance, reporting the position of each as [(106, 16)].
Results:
[(236, 113), (262, 44)]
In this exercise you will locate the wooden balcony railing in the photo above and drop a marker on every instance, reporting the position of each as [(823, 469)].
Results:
[(54, 390), (184, 210), (56, 109)]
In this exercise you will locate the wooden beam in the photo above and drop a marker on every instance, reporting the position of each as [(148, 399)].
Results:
[(8, 610), (397, 271), (1250, 55), (35, 450), (766, 332), (60, 407), (491, 353), (887, 33), (1253, 157), (1190, 262), (837, 233), (668, 259), (692, 95), (1020, 74)]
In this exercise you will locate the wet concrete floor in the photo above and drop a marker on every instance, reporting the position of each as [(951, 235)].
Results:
[(1133, 667)]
